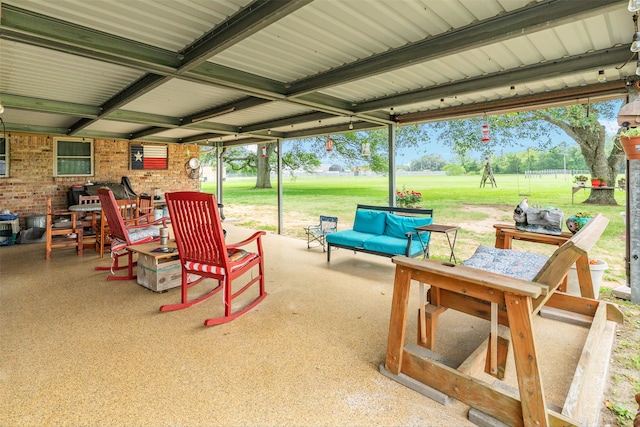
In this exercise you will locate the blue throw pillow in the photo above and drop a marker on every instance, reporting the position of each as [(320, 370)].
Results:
[(368, 221), (399, 226)]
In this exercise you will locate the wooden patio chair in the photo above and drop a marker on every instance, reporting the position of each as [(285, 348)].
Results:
[(62, 230), (145, 204), (126, 230), (204, 254), (128, 210), (89, 219)]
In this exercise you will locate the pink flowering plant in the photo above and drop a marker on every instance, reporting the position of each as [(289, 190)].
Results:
[(408, 198)]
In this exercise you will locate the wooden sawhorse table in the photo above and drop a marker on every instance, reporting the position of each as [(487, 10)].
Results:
[(476, 292), (506, 234)]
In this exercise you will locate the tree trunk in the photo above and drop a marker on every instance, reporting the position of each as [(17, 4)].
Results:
[(601, 197), (600, 166), (591, 140), (263, 153)]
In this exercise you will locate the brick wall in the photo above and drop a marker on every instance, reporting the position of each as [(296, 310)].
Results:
[(31, 178)]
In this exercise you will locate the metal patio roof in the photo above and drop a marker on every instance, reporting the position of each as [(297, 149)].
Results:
[(241, 72)]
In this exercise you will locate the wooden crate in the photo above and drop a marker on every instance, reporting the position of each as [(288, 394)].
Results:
[(159, 274)]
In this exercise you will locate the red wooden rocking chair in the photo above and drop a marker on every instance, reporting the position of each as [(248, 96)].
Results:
[(126, 232), (204, 254)]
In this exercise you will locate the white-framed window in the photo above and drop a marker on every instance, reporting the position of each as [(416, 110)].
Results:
[(72, 156), (4, 156)]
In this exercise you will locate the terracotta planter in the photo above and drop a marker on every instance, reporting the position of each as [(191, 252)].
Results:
[(631, 146)]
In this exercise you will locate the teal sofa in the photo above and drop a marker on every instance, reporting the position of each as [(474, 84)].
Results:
[(384, 230)]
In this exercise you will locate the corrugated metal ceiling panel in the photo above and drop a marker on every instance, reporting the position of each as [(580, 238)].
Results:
[(332, 121), (327, 34), (265, 112), (36, 118), (169, 25), (115, 127), (43, 73), (178, 133), (542, 46), (181, 98)]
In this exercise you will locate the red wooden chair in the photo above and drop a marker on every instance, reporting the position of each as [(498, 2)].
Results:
[(126, 232), (204, 254)]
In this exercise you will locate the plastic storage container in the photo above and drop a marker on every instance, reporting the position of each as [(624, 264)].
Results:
[(597, 271)]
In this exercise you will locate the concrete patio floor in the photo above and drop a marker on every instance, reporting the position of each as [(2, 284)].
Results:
[(77, 350)]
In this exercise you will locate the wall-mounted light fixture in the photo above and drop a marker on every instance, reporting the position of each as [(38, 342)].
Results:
[(512, 91)]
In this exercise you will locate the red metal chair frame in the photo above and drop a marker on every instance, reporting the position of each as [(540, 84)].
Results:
[(204, 253), (119, 229)]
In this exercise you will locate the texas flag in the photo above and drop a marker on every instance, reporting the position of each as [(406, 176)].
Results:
[(149, 157)]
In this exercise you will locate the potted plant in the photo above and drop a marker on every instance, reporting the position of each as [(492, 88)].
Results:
[(595, 182), (630, 141), (622, 183), (603, 181), (577, 221), (408, 198), (580, 180)]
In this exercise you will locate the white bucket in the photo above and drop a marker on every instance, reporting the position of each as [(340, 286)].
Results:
[(597, 271), (157, 214)]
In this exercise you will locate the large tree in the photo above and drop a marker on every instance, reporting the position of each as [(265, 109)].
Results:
[(580, 122), (368, 150)]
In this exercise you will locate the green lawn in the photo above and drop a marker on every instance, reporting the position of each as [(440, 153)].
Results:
[(455, 199)]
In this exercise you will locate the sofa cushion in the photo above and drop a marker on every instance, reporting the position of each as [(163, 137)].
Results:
[(350, 238), (520, 265), (392, 245), (369, 221), (399, 226)]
